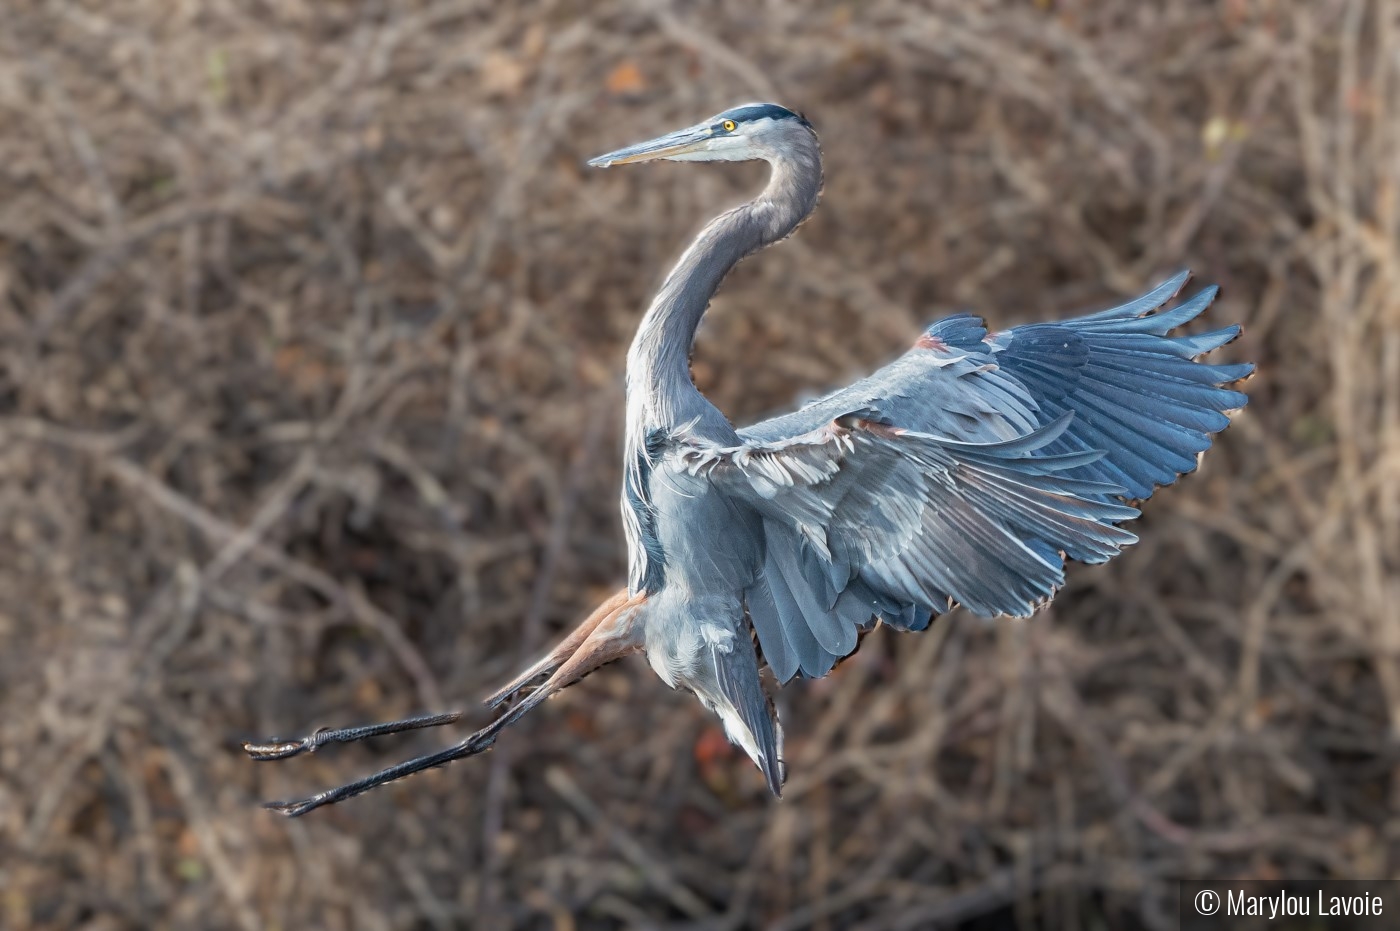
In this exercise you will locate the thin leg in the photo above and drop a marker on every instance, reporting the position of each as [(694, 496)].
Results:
[(612, 632), (406, 768), (283, 749), (479, 742), (557, 656)]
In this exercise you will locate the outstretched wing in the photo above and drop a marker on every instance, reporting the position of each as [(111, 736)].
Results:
[(967, 470), (1136, 393), (864, 519)]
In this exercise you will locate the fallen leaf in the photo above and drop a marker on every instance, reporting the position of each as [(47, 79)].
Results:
[(712, 746), (535, 42), (1214, 134), (216, 70), (189, 869), (626, 78), (502, 73)]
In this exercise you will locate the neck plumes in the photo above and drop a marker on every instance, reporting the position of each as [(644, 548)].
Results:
[(659, 387)]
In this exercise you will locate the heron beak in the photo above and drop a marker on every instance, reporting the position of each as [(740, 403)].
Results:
[(681, 142)]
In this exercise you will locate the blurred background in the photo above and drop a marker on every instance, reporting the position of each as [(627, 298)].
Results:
[(312, 328)]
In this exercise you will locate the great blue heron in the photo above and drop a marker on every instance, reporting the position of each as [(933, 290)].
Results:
[(964, 472)]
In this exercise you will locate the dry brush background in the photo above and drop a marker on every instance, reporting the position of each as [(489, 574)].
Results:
[(311, 334)]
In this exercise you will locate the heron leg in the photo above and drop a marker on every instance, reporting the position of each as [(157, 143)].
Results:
[(478, 742), (560, 654), (613, 635), (283, 749)]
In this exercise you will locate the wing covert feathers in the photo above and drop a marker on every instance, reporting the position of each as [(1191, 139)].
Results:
[(967, 471)]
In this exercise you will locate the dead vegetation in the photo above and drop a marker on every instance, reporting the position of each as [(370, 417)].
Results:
[(311, 332)]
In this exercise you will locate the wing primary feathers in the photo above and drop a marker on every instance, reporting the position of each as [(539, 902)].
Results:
[(968, 470)]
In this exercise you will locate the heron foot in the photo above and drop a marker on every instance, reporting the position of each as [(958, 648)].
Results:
[(479, 742), (285, 749)]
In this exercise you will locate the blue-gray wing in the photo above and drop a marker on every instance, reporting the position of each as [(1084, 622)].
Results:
[(964, 469), (863, 520), (1136, 393)]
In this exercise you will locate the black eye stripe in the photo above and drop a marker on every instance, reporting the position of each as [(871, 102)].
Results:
[(760, 111)]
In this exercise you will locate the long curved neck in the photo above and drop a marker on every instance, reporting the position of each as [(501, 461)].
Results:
[(660, 392)]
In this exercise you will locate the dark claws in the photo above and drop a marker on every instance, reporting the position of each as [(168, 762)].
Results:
[(479, 742), (284, 749), (293, 809), (279, 750)]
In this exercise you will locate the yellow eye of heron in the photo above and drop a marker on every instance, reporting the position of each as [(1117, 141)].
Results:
[(728, 126)]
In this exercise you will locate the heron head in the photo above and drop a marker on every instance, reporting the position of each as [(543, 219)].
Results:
[(752, 131)]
